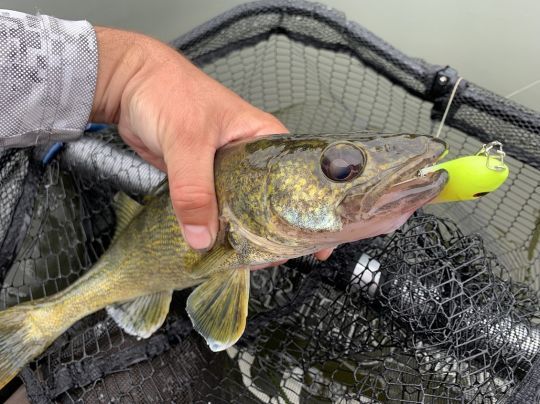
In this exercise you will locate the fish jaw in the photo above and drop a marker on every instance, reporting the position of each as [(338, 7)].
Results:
[(397, 187), (395, 208), (388, 205)]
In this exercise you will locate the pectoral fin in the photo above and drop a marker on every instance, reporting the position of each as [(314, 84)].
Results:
[(143, 316), (218, 308)]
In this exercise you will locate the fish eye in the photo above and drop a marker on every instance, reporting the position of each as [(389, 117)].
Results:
[(342, 162)]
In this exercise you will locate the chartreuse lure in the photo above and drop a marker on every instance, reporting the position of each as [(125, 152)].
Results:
[(472, 177)]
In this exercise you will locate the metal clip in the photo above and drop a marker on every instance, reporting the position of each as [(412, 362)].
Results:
[(495, 155)]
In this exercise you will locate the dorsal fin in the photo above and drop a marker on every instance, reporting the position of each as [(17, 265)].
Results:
[(126, 209)]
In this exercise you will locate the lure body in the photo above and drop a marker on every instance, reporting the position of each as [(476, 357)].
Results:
[(470, 177)]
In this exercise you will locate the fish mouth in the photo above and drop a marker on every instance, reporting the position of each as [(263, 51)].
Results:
[(411, 190), (402, 190), (410, 195), (394, 208)]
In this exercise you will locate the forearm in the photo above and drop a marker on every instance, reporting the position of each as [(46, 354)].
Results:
[(48, 71)]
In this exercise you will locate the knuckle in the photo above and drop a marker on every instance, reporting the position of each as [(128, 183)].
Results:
[(192, 200)]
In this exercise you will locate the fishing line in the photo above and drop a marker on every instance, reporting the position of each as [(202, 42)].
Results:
[(454, 90), (520, 90)]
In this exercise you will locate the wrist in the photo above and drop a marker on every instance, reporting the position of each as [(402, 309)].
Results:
[(120, 57)]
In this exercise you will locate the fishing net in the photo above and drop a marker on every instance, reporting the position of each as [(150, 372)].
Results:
[(444, 310)]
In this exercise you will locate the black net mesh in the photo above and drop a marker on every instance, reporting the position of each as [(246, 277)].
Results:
[(444, 310), (19, 175)]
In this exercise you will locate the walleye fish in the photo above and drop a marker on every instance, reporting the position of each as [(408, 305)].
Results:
[(279, 197)]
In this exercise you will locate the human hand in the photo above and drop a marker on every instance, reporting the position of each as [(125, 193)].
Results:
[(175, 117)]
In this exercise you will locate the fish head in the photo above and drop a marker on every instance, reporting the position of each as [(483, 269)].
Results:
[(323, 190)]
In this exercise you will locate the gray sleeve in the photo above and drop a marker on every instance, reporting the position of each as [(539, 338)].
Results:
[(48, 70)]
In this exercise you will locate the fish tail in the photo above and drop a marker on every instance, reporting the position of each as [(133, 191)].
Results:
[(21, 340)]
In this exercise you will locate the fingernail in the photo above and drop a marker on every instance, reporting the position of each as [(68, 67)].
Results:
[(198, 237)]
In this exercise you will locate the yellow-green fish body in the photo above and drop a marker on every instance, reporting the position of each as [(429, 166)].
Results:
[(279, 197)]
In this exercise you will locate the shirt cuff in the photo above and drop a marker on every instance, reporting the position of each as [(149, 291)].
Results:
[(48, 73)]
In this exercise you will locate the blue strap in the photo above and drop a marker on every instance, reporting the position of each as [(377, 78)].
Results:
[(57, 147)]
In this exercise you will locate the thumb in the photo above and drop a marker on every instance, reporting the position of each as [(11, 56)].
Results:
[(190, 168)]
